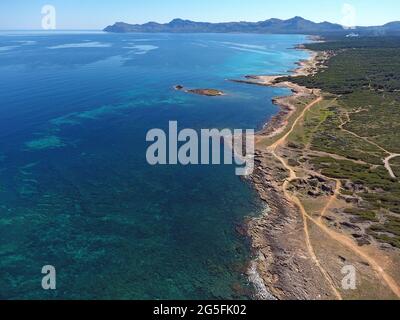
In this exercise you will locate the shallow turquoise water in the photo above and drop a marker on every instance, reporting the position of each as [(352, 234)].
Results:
[(76, 191)]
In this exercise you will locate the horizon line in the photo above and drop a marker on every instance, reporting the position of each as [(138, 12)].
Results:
[(255, 21), (197, 21)]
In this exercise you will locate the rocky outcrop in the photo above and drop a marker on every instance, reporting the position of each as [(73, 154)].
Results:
[(202, 92), (314, 186)]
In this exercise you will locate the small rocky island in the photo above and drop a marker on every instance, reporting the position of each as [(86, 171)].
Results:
[(203, 92)]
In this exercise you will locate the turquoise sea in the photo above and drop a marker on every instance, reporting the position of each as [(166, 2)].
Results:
[(76, 191)]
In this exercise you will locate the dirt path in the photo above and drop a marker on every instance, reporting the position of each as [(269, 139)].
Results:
[(331, 200), (386, 161), (344, 240), (387, 164), (334, 156), (293, 176)]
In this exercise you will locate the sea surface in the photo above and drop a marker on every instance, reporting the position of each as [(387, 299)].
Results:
[(76, 191)]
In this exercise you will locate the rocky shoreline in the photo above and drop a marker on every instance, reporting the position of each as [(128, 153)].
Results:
[(201, 92), (278, 242), (278, 123), (277, 237)]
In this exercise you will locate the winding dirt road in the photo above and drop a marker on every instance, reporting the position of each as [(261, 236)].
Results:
[(387, 164), (386, 161), (342, 239)]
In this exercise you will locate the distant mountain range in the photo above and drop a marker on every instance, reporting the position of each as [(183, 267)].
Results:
[(296, 25)]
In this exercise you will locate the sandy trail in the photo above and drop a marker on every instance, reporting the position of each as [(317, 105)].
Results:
[(332, 234), (386, 161), (387, 164), (293, 176), (331, 200)]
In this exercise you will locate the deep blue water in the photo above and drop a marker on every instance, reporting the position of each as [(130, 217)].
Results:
[(76, 191)]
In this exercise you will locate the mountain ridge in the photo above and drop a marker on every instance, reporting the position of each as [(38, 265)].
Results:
[(295, 25)]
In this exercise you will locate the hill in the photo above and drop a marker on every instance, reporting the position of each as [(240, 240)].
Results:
[(296, 25)]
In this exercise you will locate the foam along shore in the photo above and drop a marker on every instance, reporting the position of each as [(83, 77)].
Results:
[(282, 260), (202, 92)]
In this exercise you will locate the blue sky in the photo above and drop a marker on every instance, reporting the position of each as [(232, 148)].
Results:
[(96, 14)]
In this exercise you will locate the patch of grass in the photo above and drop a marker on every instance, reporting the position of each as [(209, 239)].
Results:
[(313, 119), (363, 214), (393, 241)]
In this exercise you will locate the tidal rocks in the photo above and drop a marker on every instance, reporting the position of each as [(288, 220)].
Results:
[(202, 92), (206, 92), (178, 87)]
